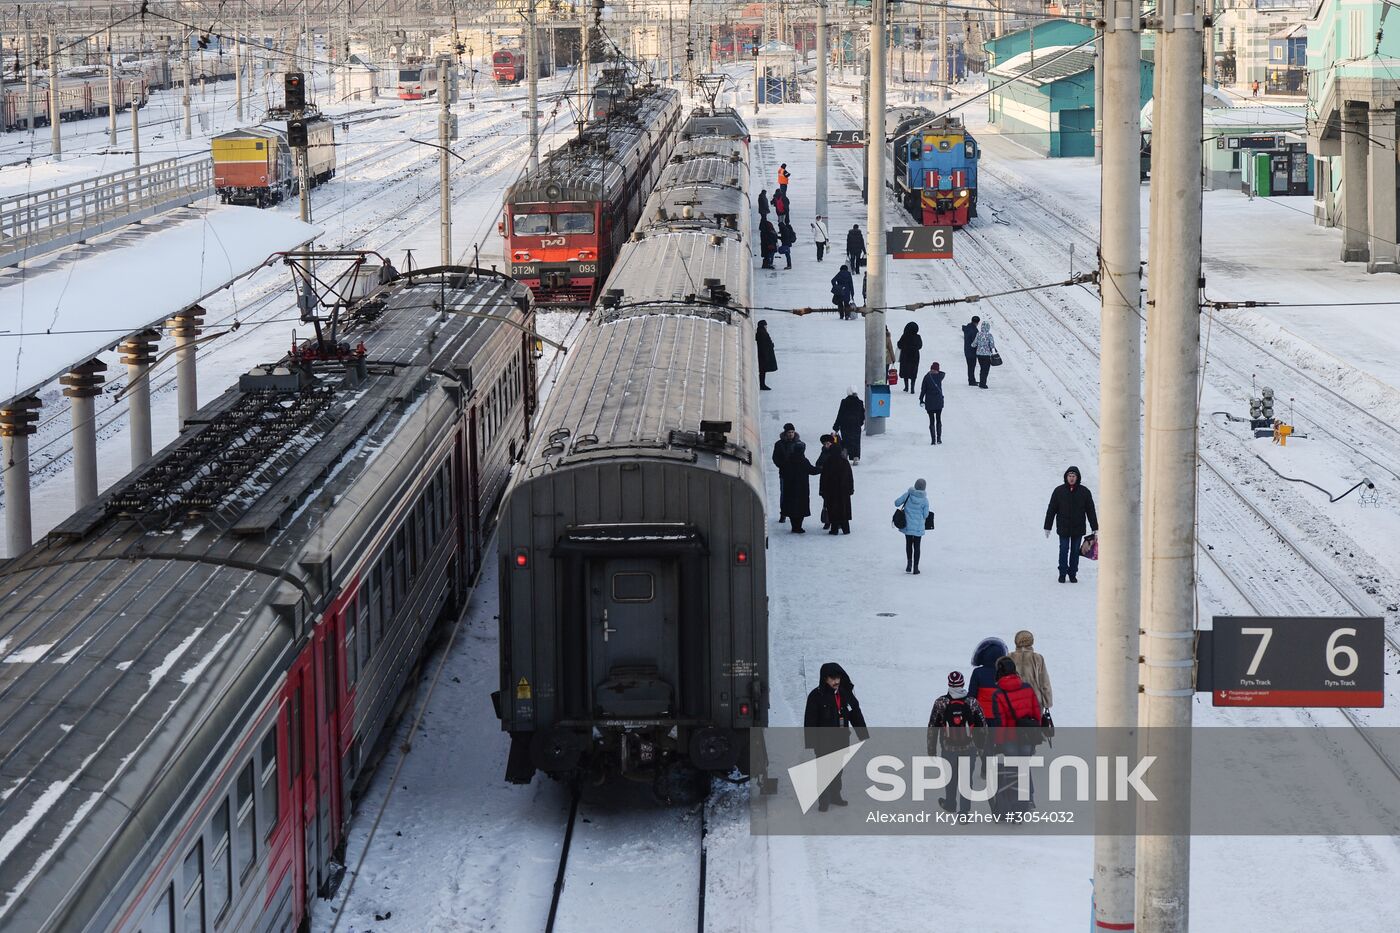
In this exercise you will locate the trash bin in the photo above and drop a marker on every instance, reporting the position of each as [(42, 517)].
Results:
[(877, 401)]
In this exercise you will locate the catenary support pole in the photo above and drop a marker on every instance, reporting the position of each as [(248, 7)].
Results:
[(238, 73), (875, 213), (138, 355), (1164, 842), (444, 157), (945, 64), (137, 95), (756, 78), (81, 385), (819, 183), (532, 65), (1120, 445), (111, 91), (17, 422), (184, 327), (55, 115), (1100, 73), (185, 86)]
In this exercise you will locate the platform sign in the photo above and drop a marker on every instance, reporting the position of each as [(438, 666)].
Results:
[(846, 139), (1297, 661), (919, 243)]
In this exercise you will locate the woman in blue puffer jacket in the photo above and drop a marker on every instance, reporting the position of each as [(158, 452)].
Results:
[(915, 505)]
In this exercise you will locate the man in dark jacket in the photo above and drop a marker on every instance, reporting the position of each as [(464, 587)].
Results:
[(767, 355), (786, 237), (794, 482), (843, 292), (781, 206), (763, 204), (969, 336), (855, 248), (832, 709), (836, 487), (781, 448), (767, 242), (931, 397), (1015, 715), (850, 421), (910, 343), (1071, 504)]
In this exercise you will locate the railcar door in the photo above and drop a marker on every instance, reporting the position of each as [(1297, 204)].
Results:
[(305, 779), (633, 637)]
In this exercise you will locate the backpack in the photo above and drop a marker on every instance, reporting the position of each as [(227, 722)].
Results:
[(955, 724)]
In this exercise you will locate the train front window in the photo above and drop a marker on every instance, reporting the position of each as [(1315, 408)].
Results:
[(573, 223), (530, 224), (633, 587), (410, 74)]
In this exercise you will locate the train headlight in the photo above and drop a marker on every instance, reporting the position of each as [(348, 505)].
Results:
[(963, 193), (520, 255), (587, 255)]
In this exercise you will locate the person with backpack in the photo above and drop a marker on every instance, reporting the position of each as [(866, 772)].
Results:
[(843, 293), (950, 735), (1030, 664), (786, 237), (832, 709), (781, 205), (914, 504), (855, 248), (1071, 507), (1015, 716)]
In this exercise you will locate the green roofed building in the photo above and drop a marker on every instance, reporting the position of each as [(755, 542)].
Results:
[(1051, 32)]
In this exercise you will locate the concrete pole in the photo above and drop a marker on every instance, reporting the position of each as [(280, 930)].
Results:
[(757, 79), (820, 182), (875, 214), (532, 65), (1120, 445), (138, 353), (29, 74), (945, 67), (444, 155), (81, 385), (1164, 843), (16, 426), (583, 104), (184, 327), (1098, 98), (238, 74), (136, 121), (111, 91), (304, 183), (54, 111), (185, 86)]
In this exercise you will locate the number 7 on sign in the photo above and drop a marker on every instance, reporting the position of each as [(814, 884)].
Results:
[(1267, 635)]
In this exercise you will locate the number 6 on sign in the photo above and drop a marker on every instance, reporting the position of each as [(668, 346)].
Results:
[(1334, 649)]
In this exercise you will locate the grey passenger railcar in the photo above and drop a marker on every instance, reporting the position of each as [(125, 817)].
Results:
[(198, 667), (633, 598)]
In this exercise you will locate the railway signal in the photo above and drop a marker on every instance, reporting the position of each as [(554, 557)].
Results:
[(294, 90)]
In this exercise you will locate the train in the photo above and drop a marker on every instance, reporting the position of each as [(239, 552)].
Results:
[(508, 66), (633, 606), (81, 95), (255, 166), (202, 668), (935, 168), (565, 221), (417, 81)]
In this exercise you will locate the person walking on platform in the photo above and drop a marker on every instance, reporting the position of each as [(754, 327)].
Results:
[(832, 709), (986, 348), (819, 236), (767, 356), (781, 205), (836, 487), (1015, 716), (794, 482), (910, 343), (783, 177), (931, 397), (786, 237), (855, 248), (1031, 666), (850, 421), (828, 445), (843, 293), (914, 502), (781, 448), (763, 204), (956, 730), (969, 331), (767, 242), (983, 682), (1071, 506)]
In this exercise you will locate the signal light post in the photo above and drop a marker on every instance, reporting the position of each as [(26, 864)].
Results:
[(294, 99)]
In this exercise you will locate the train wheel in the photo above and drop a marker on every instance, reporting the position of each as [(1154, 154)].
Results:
[(681, 785), (714, 749)]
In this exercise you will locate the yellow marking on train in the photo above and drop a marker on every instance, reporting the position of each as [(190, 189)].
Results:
[(522, 689)]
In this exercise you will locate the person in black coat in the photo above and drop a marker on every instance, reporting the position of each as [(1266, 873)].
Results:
[(767, 242), (786, 237), (969, 351), (763, 204), (843, 293), (931, 397), (794, 483), (836, 487), (1071, 506), (832, 709), (781, 205), (850, 421), (781, 447), (767, 356), (855, 248), (910, 343)]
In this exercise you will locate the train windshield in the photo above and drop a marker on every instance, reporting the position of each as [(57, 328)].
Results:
[(573, 223), (530, 224), (410, 74)]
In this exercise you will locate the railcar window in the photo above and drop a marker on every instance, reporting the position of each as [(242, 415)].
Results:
[(573, 223), (194, 889), (269, 780), (362, 636), (414, 551), (400, 569), (632, 587), (530, 224), (351, 661), (162, 918), (247, 839), (425, 532), (221, 864), (386, 601)]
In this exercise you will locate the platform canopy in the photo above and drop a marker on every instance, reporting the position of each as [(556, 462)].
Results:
[(87, 300)]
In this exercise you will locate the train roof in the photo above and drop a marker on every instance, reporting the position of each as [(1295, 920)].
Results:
[(590, 164), (123, 630)]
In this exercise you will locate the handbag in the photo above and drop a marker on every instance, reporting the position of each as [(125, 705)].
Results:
[(1047, 727), (900, 520), (996, 359), (1089, 547), (928, 521)]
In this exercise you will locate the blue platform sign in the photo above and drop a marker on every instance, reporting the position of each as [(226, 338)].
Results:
[(877, 401)]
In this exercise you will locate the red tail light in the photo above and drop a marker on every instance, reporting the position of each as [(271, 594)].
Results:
[(744, 708), (741, 556), (522, 558)]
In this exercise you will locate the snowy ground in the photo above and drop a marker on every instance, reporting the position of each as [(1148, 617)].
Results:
[(847, 598)]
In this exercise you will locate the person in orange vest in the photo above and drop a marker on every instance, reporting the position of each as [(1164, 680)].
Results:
[(1253, 87), (783, 176)]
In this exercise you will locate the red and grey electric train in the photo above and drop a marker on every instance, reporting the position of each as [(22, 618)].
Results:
[(565, 222), (199, 667), (508, 66)]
